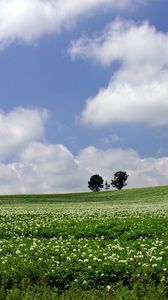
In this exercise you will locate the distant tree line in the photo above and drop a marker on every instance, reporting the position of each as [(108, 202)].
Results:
[(95, 183)]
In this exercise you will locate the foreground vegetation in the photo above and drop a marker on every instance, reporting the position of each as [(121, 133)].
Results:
[(106, 245)]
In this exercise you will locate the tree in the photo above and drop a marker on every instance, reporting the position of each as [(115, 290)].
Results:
[(106, 186), (96, 183), (119, 180)]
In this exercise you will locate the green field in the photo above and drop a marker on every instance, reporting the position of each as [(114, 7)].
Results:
[(106, 245)]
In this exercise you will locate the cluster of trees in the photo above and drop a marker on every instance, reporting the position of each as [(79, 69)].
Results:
[(95, 183)]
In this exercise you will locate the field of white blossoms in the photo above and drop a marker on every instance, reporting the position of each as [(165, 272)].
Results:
[(106, 245)]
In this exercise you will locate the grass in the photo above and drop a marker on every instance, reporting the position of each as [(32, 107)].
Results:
[(106, 245), (130, 195)]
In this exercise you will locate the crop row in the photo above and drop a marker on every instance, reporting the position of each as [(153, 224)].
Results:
[(79, 246)]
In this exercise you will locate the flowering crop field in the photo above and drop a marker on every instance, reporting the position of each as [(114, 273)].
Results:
[(85, 246)]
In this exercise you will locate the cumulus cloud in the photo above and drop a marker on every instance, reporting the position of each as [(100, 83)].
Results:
[(18, 127), (28, 20), (126, 41), (138, 90), (58, 170), (10, 182), (142, 171), (35, 166), (48, 168), (28, 164)]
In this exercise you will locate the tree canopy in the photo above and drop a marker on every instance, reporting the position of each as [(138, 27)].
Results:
[(96, 183), (119, 180)]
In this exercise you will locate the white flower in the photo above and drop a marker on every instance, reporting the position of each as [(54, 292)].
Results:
[(108, 288)]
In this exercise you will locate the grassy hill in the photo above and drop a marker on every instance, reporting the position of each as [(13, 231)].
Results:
[(105, 245), (143, 195)]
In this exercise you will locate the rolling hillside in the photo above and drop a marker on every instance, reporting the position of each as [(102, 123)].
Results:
[(106, 245)]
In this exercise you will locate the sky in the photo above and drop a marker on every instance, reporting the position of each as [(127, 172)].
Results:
[(83, 91)]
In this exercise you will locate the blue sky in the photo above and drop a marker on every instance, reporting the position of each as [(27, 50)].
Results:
[(54, 57)]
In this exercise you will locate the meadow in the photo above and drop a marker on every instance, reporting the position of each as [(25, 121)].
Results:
[(105, 245)]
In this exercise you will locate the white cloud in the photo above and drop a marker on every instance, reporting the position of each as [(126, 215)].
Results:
[(19, 127), (138, 90), (142, 171), (126, 41), (28, 20), (35, 166), (57, 170), (46, 168), (10, 182), (125, 102), (27, 163)]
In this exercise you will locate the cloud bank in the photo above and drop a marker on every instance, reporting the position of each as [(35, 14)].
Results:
[(138, 90), (19, 127), (28, 20), (28, 164)]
